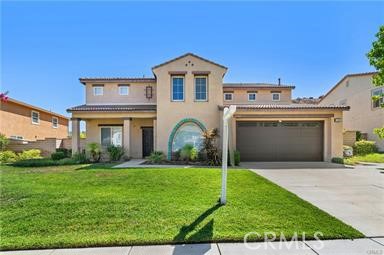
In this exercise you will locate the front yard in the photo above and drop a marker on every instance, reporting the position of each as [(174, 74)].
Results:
[(70, 206), (371, 158)]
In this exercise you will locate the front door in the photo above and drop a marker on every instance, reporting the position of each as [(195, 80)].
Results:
[(147, 141)]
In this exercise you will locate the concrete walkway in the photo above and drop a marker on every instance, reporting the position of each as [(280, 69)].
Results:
[(347, 247), (355, 196)]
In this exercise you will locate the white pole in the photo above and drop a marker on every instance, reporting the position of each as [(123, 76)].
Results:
[(227, 114)]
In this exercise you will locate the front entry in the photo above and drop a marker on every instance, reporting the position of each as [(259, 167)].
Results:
[(147, 141)]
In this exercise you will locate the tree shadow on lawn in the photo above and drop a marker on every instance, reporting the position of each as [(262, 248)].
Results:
[(203, 234)]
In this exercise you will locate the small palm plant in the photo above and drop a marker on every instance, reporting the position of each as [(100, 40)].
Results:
[(94, 149), (209, 146)]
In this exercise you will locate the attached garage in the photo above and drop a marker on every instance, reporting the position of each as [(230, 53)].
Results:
[(280, 141)]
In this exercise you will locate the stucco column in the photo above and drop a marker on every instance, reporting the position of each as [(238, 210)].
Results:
[(154, 134), (75, 135), (337, 135), (127, 137)]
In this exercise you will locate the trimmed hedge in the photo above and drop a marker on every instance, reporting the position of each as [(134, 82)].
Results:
[(364, 147), (58, 155), (45, 162)]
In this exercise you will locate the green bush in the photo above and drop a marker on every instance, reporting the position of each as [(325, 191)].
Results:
[(236, 154), (115, 152), (44, 162), (8, 157), (4, 141), (156, 157), (80, 157), (58, 155), (29, 154), (67, 152), (188, 152), (364, 147), (94, 149), (338, 160), (359, 136)]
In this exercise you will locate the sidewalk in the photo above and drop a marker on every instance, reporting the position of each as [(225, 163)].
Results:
[(347, 247)]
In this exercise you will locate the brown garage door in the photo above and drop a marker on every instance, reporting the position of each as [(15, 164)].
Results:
[(280, 141)]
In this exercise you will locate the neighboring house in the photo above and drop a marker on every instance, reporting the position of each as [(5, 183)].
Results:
[(186, 96), (21, 121), (356, 91)]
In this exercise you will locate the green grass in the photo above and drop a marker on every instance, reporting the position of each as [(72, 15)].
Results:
[(74, 206), (372, 158)]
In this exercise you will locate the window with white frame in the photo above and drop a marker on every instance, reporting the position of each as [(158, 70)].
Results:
[(377, 98), (35, 116), (177, 88), (251, 96), (98, 90), (228, 96), (16, 137), (123, 89), (276, 96), (55, 122), (111, 136), (201, 88)]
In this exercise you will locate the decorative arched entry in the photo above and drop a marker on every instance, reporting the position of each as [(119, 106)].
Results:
[(185, 125)]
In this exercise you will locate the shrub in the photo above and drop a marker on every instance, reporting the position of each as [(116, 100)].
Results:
[(4, 141), (58, 155), (44, 162), (359, 136), (209, 146), (188, 152), (94, 149), (236, 154), (115, 152), (364, 147), (80, 157), (156, 157), (7, 157), (67, 152), (29, 154), (338, 160)]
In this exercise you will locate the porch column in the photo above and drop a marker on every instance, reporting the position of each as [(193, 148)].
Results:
[(75, 135), (154, 134), (127, 137)]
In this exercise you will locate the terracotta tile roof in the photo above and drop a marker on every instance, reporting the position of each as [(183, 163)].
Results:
[(289, 107), (113, 108), (257, 85), (345, 77), (189, 54), (117, 79)]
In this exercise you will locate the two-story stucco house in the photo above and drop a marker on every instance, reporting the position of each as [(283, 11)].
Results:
[(356, 90), (186, 96)]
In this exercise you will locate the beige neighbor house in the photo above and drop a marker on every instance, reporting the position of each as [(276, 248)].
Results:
[(187, 96), (356, 91)]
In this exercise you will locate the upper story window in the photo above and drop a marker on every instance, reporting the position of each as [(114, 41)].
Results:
[(55, 122), (123, 89), (251, 96), (378, 97), (177, 88), (228, 96), (201, 88), (98, 90), (35, 116), (275, 96)]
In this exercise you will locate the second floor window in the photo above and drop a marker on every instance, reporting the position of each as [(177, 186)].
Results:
[(177, 88), (35, 116), (55, 122), (251, 96), (98, 90), (228, 96), (201, 89), (275, 96), (377, 97), (123, 90)]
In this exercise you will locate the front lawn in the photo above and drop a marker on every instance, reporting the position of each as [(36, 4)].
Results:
[(371, 158), (70, 206)]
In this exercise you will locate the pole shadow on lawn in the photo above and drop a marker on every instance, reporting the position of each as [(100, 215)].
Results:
[(203, 234)]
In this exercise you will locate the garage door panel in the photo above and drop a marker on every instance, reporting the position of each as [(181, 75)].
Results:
[(274, 141)]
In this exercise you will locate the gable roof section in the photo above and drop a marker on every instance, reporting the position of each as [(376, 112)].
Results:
[(189, 54), (343, 79)]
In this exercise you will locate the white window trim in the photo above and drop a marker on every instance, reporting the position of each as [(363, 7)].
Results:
[(276, 100), (252, 93), (380, 100), (57, 122), (121, 86), (228, 94), (206, 88), (110, 127), (38, 118), (94, 90), (177, 100)]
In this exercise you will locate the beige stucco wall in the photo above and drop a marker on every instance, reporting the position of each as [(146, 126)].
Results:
[(15, 119), (263, 96), (361, 117), (170, 113), (111, 93)]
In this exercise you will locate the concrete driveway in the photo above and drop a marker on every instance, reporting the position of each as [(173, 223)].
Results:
[(355, 196)]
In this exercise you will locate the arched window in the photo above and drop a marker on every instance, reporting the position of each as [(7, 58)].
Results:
[(188, 133)]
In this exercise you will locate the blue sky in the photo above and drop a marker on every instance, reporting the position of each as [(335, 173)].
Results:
[(46, 46)]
